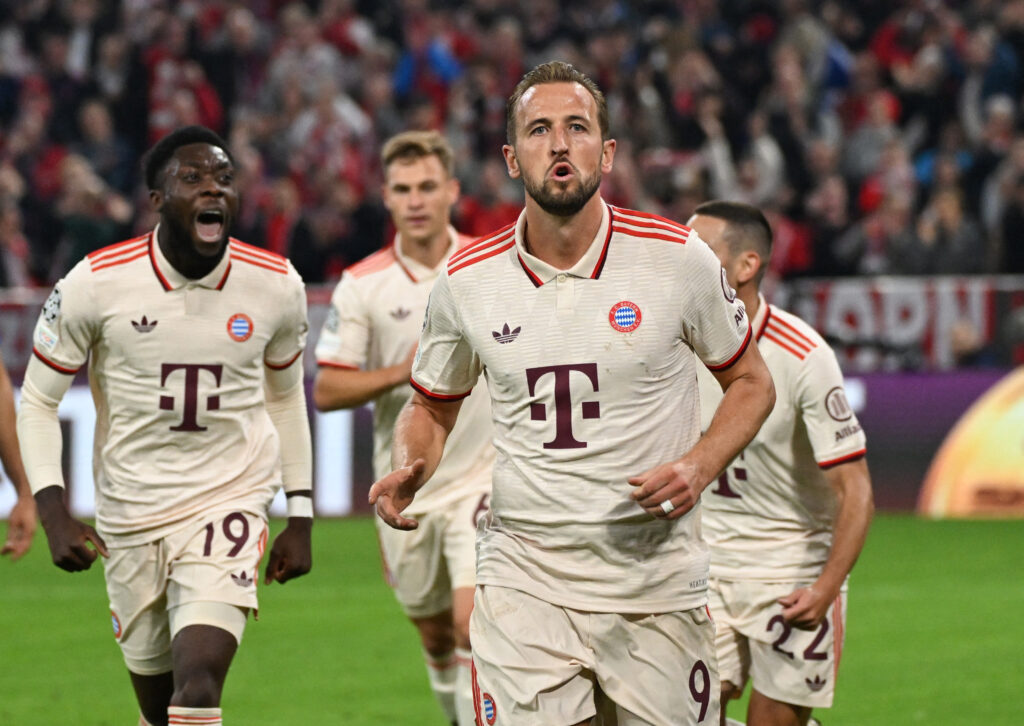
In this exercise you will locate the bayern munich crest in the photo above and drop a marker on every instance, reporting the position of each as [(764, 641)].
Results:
[(116, 623), (488, 709), (625, 316), (240, 327)]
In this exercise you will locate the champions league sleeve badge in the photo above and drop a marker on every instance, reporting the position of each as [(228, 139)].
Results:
[(51, 308), (625, 316)]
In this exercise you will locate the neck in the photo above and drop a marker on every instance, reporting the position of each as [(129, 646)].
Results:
[(562, 241), (749, 295), (183, 258), (429, 251)]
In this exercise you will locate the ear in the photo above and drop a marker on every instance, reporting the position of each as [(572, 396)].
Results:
[(511, 162), (747, 265), (156, 199), (607, 155)]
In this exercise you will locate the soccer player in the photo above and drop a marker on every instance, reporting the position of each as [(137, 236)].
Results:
[(588, 322), (365, 353), (788, 517), (21, 522), (194, 342)]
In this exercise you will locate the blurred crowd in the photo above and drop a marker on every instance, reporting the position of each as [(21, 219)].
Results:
[(880, 136)]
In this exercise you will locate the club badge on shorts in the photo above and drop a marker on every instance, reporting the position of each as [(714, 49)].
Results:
[(240, 327), (625, 316), (488, 708), (116, 622)]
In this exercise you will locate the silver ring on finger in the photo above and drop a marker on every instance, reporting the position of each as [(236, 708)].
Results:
[(667, 506)]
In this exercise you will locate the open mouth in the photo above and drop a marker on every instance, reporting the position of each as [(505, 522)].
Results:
[(562, 171), (210, 225)]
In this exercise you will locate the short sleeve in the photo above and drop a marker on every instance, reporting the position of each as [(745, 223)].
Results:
[(289, 340), (68, 324), (446, 367), (832, 427), (345, 337), (715, 321)]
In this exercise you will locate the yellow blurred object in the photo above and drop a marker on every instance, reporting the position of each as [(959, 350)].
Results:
[(979, 469)]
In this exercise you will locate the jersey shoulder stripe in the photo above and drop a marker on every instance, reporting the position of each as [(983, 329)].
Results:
[(651, 223), (786, 345), (117, 254), (250, 255), (483, 251), (792, 328), (379, 260), (481, 242)]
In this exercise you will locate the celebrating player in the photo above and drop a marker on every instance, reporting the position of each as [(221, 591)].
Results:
[(194, 342), (365, 353), (589, 322), (21, 522), (788, 517)]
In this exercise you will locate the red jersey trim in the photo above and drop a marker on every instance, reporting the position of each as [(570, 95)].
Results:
[(406, 270), (842, 459), (282, 366), (736, 356), (785, 346), (452, 269), (650, 235), (379, 260), (227, 271), (789, 337), (481, 242), (438, 396), (607, 243), (138, 254), (646, 219), (156, 268), (537, 282), (790, 330), (256, 263), (257, 251), (117, 248), (51, 364), (332, 364)]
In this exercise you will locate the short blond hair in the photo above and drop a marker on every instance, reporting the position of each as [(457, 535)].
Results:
[(411, 145), (554, 72)]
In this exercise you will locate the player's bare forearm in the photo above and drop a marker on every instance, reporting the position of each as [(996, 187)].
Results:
[(291, 555), (67, 537), (421, 431), (852, 484), (336, 388), (749, 398), (10, 454)]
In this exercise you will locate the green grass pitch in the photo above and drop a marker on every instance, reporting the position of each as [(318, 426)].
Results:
[(935, 637)]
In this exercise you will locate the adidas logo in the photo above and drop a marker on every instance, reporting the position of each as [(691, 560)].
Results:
[(506, 335), (817, 684), (144, 326), (400, 313), (242, 580)]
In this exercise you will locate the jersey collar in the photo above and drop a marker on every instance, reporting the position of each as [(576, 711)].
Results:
[(588, 267), (418, 271), (171, 279), (760, 321)]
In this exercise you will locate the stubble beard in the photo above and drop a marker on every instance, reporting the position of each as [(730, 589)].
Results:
[(562, 202)]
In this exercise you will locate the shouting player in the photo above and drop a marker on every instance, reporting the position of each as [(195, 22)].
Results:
[(194, 342), (787, 518)]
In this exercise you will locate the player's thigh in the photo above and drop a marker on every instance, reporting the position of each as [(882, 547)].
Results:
[(214, 568), (530, 664), (414, 565), (136, 579), (660, 668), (731, 647), (460, 539), (796, 666)]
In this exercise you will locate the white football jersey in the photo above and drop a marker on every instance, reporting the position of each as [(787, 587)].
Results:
[(592, 378), (375, 319), (770, 514), (176, 368)]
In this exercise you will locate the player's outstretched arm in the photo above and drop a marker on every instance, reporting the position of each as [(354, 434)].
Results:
[(749, 398), (68, 538), (420, 434), (336, 388), (21, 523), (806, 607)]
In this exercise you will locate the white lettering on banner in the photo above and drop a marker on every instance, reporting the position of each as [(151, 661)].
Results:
[(332, 467)]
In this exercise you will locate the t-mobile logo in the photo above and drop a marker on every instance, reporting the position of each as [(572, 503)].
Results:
[(564, 438), (191, 405)]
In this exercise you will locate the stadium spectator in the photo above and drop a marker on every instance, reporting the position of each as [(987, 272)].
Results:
[(788, 516), (365, 353), (109, 155), (487, 206), (21, 522), (182, 487), (571, 564)]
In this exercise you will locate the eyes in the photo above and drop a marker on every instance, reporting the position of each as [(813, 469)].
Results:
[(574, 126), (223, 178)]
